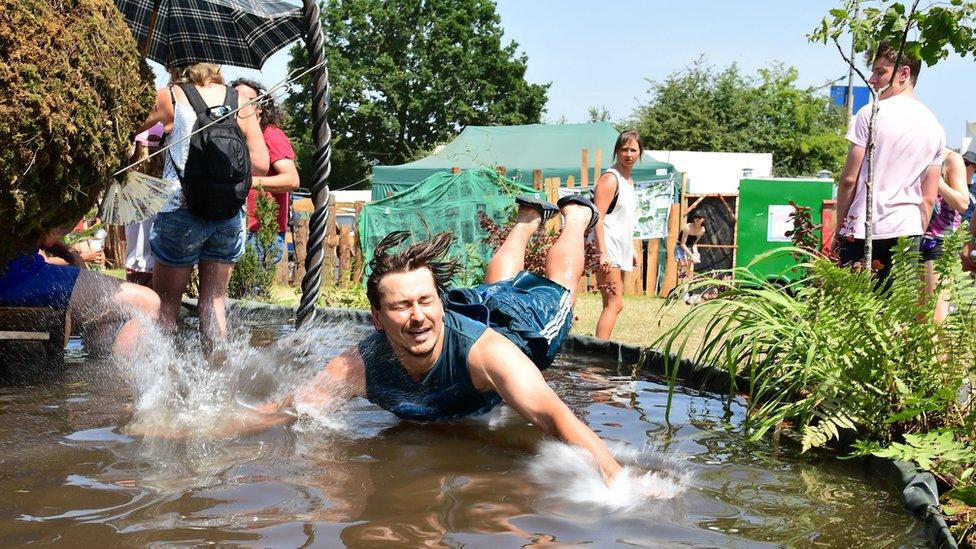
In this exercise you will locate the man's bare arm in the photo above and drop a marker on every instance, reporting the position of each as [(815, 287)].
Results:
[(930, 190), (848, 183), (343, 378), (496, 363)]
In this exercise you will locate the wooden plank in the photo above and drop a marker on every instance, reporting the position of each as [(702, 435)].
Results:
[(537, 180), (585, 168), (653, 249), (455, 170), (693, 206), (359, 259), (597, 163), (682, 196), (329, 246), (828, 224), (301, 250), (671, 267), (571, 182), (345, 256), (24, 336), (735, 233), (735, 217)]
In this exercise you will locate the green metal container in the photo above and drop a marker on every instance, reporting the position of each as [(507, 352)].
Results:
[(764, 209)]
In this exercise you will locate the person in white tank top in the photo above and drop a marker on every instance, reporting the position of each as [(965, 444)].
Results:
[(616, 201)]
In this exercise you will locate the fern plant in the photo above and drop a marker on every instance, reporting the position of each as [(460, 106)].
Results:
[(836, 351)]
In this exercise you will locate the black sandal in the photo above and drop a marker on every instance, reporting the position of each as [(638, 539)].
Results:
[(582, 201), (545, 208)]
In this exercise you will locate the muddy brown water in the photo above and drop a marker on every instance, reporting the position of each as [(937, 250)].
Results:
[(71, 477)]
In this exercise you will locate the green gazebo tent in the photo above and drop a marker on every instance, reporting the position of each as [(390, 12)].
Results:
[(552, 148)]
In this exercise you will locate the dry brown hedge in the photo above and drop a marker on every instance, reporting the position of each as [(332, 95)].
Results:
[(72, 87)]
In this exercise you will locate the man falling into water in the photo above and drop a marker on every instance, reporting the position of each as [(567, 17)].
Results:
[(444, 355)]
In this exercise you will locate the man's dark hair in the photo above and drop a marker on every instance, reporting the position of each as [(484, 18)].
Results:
[(697, 215), (889, 53), (427, 254), (271, 115)]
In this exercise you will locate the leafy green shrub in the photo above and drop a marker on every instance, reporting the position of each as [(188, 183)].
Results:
[(74, 86), (834, 352), (252, 278)]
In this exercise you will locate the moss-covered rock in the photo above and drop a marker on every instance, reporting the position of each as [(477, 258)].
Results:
[(73, 86)]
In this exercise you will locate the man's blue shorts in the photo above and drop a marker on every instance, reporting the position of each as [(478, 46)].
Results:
[(180, 239), (532, 311), (45, 285)]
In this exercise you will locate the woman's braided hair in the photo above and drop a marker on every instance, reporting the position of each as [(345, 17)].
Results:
[(429, 254)]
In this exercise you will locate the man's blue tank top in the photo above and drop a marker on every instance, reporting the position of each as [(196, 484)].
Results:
[(445, 392)]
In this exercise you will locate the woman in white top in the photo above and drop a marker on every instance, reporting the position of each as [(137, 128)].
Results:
[(180, 240), (616, 201)]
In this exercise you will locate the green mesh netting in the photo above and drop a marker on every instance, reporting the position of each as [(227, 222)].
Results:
[(444, 202)]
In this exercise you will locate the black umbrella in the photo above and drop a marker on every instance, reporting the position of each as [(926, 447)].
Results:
[(243, 33)]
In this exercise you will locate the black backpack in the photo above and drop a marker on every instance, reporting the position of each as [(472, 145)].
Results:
[(217, 175)]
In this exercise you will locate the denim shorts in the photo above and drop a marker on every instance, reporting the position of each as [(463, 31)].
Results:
[(180, 239), (531, 311)]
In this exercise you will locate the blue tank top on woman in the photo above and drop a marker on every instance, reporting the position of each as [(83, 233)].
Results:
[(445, 392)]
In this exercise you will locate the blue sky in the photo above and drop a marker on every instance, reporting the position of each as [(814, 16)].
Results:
[(601, 55)]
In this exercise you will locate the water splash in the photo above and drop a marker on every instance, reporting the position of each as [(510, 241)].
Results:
[(568, 473), (177, 391)]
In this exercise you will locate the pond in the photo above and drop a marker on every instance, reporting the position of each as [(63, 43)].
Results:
[(356, 476)]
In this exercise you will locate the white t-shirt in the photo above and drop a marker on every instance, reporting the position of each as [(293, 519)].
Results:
[(908, 139)]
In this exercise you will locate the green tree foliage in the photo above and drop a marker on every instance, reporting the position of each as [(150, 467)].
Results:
[(700, 108), (74, 86), (407, 75), (929, 32), (252, 278)]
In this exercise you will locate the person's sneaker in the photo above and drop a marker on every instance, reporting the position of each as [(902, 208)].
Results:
[(582, 201), (545, 208)]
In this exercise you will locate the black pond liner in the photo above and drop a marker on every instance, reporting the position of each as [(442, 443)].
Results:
[(919, 491)]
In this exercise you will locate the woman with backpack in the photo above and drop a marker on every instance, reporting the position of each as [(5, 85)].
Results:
[(616, 201), (212, 157)]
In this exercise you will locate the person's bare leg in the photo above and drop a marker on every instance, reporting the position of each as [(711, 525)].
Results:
[(566, 260), (942, 300), (98, 299), (169, 283), (214, 278), (509, 259), (611, 286)]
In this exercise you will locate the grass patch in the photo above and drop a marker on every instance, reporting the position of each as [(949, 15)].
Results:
[(640, 323)]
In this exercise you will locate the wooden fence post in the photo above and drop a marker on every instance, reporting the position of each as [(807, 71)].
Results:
[(671, 267), (597, 163), (632, 279), (455, 170), (358, 258), (585, 168), (345, 256), (653, 250), (331, 242), (301, 249), (537, 180)]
